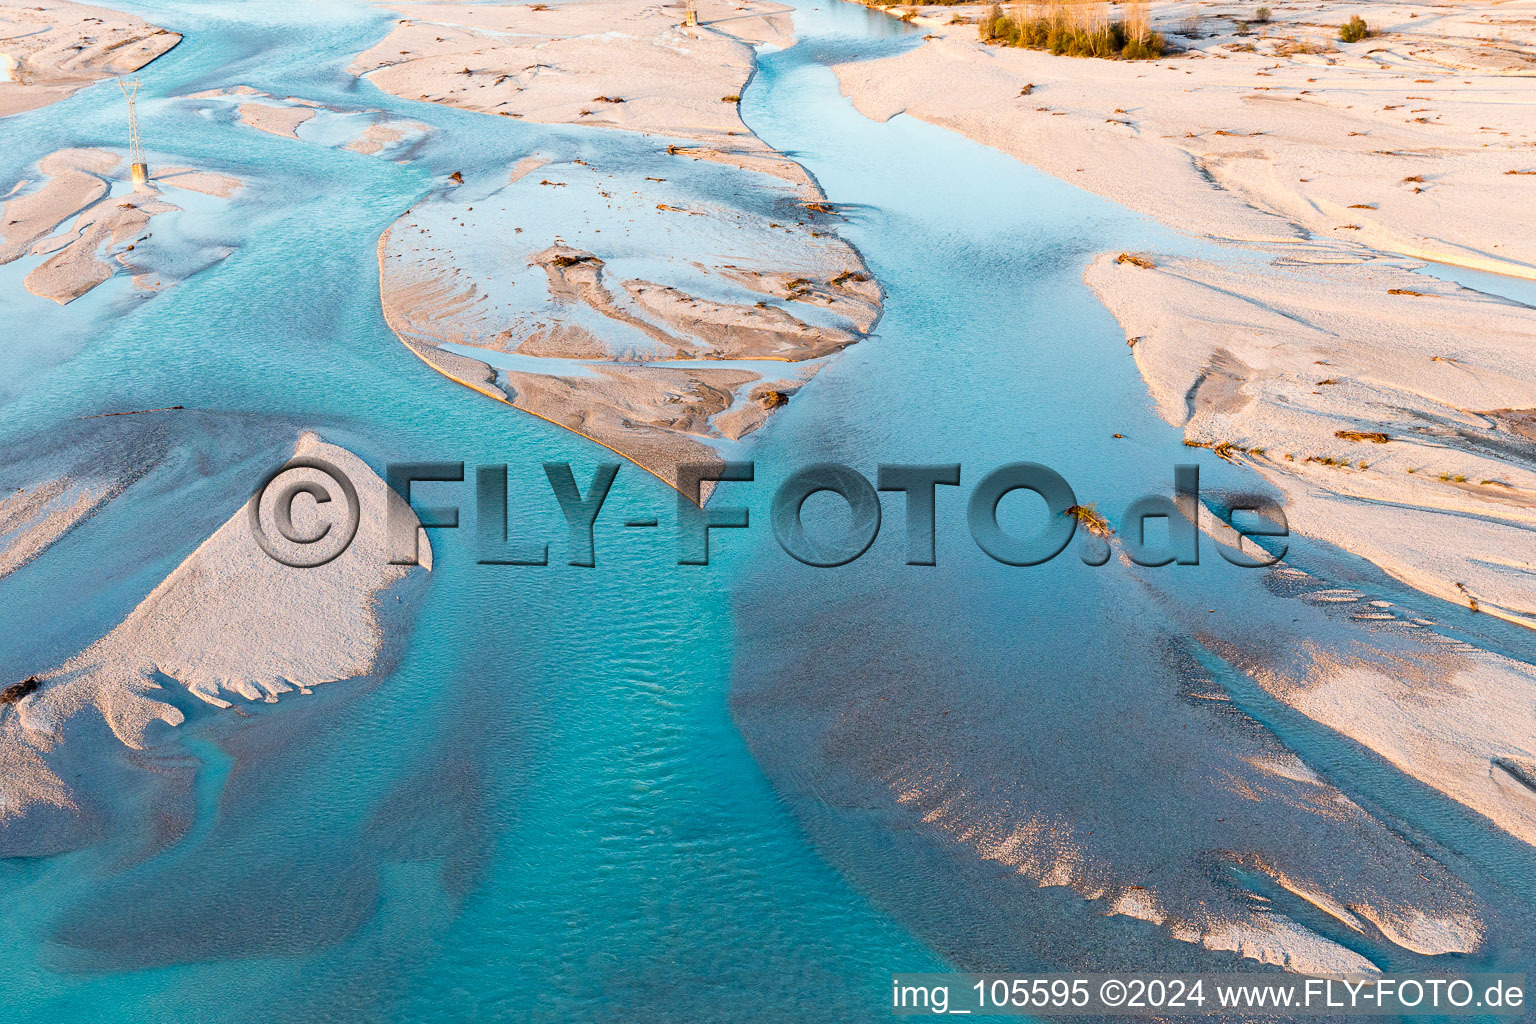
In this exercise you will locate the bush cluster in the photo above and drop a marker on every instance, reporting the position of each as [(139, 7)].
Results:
[(1353, 30), (1062, 35)]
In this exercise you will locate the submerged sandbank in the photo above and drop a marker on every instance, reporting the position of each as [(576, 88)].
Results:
[(364, 130), (229, 623), (111, 221), (1392, 411), (1128, 810), (1066, 774)]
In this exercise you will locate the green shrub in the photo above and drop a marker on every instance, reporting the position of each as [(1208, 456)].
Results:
[(1261, 15), (1353, 30), (992, 23)]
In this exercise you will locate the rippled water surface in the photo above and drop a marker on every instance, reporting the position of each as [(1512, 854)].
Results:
[(545, 809)]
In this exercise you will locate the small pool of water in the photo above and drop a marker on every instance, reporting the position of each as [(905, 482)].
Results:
[(1518, 289)]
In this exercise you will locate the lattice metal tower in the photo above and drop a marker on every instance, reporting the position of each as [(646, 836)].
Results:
[(691, 15), (138, 167)]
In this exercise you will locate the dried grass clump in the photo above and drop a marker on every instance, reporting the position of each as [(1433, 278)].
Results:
[(1291, 46), (1226, 450), (1135, 261), (1075, 28), (1091, 520), (16, 691)]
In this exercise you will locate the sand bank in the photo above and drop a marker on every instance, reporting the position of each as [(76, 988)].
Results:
[(1384, 403), (221, 627), (1269, 363), (1455, 717), (941, 779), (111, 222), (559, 306), (364, 130), (55, 482), (49, 50), (32, 519), (535, 258), (609, 63), (1402, 142), (1380, 670), (1391, 410)]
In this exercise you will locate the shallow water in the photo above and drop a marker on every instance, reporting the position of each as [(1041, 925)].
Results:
[(993, 350), (1517, 288), (546, 810)]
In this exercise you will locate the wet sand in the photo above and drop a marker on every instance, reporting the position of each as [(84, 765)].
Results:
[(449, 267), (372, 132), (106, 231), (221, 627), (49, 50)]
